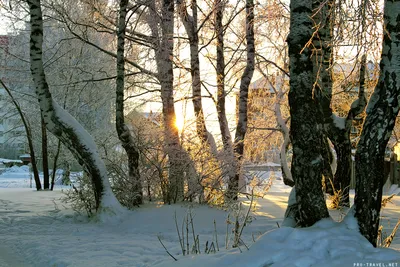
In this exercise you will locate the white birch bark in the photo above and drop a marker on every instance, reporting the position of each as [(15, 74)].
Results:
[(339, 136), (190, 22), (227, 156), (287, 175), (241, 127), (124, 134), (63, 125), (382, 111)]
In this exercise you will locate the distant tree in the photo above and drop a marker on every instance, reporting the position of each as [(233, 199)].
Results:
[(28, 131), (272, 63)]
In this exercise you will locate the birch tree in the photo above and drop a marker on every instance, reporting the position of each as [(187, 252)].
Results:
[(221, 94), (190, 23), (241, 128), (123, 131), (382, 111), (62, 124), (336, 128), (164, 60), (306, 133), (158, 44)]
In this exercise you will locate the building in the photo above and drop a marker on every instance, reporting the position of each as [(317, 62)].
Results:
[(262, 143)]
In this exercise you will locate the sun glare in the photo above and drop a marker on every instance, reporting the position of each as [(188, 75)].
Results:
[(179, 123)]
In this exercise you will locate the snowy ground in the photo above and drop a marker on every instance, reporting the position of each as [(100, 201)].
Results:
[(21, 177), (36, 229)]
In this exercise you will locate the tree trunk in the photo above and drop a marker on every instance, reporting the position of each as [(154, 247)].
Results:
[(221, 111), (228, 154), (279, 96), (123, 131), (339, 134), (190, 22), (162, 29), (322, 68), (62, 124), (191, 27), (241, 128), (28, 137), (336, 128), (166, 78), (53, 174), (45, 161), (382, 110), (342, 178), (306, 132)]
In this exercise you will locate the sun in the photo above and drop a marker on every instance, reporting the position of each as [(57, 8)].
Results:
[(180, 123)]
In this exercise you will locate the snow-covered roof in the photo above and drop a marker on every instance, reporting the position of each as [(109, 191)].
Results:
[(10, 160), (262, 83)]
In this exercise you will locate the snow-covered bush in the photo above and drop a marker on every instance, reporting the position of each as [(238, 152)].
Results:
[(205, 184), (122, 185), (81, 196)]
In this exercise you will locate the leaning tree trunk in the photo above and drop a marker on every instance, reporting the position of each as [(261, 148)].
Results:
[(123, 131), (306, 132), (382, 110), (62, 124), (241, 128)]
